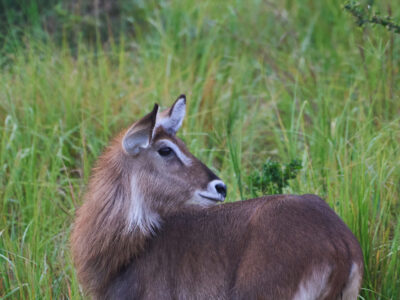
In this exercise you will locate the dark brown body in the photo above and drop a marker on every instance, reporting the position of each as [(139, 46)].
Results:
[(256, 249), (150, 228)]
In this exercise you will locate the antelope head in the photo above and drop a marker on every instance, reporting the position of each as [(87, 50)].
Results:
[(164, 176)]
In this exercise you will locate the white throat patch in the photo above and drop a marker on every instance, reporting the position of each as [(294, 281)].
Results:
[(139, 214)]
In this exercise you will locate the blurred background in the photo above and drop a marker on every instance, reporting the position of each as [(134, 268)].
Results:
[(283, 97)]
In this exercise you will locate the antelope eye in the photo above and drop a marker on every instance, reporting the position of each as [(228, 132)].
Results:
[(165, 151)]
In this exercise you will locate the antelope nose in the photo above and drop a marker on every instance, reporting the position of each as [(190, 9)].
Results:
[(220, 187), (216, 191)]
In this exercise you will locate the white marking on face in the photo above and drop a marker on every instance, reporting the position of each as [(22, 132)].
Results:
[(352, 287), (183, 158), (171, 123), (198, 200), (139, 215), (315, 286), (211, 192), (208, 197)]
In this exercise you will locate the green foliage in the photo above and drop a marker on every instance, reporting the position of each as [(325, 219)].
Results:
[(69, 22), (273, 177), (281, 79)]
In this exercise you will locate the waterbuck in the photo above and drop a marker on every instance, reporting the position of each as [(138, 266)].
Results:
[(150, 229)]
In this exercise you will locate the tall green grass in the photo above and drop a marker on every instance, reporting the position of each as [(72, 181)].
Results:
[(280, 80)]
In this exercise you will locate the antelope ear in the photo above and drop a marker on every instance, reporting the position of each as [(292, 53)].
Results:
[(172, 118), (139, 135)]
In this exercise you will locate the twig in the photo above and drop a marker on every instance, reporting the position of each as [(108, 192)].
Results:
[(364, 17)]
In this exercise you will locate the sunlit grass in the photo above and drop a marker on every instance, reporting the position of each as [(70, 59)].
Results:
[(263, 80)]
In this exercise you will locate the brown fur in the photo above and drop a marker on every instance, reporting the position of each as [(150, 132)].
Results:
[(256, 249)]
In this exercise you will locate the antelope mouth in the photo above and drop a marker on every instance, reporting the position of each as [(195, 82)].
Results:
[(215, 192), (212, 196)]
